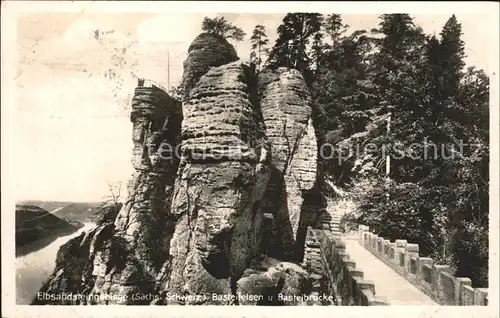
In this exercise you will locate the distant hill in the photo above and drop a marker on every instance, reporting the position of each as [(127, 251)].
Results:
[(34, 224), (79, 212), (46, 205), (69, 211)]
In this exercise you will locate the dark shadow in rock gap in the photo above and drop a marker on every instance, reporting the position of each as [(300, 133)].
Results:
[(216, 260), (278, 236), (313, 203)]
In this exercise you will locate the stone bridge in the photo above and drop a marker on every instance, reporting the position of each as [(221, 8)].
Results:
[(363, 269)]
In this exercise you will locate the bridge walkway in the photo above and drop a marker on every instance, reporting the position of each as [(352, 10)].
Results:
[(388, 283)]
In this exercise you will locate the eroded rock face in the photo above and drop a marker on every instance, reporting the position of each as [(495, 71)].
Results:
[(193, 224), (74, 266), (269, 277), (144, 222), (205, 52), (221, 181), (122, 256), (286, 108)]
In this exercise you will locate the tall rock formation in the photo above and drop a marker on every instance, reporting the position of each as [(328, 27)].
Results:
[(219, 183), (206, 51), (286, 109)]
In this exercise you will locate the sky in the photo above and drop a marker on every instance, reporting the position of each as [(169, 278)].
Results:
[(72, 133)]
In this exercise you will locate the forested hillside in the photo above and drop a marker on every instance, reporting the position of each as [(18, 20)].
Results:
[(403, 125)]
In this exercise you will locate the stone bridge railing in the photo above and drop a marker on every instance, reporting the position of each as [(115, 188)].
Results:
[(143, 82), (433, 279), (327, 255)]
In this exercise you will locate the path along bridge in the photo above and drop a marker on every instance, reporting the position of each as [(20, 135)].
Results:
[(365, 269)]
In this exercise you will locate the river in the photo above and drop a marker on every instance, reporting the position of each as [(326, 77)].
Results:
[(32, 270)]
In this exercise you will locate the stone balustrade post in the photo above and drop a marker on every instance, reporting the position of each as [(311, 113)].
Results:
[(392, 253), (353, 274), (460, 282), (436, 278), (386, 251), (421, 261), (362, 230), (399, 257), (467, 295), (374, 243), (359, 284), (481, 296), (411, 251), (380, 246)]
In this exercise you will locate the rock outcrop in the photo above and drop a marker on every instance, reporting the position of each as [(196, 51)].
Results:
[(270, 281), (205, 52), (221, 181), (122, 256), (286, 109)]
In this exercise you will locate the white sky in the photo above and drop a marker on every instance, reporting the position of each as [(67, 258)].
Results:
[(72, 134)]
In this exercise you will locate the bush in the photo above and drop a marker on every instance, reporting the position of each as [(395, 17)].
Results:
[(435, 218), (398, 211), (349, 222)]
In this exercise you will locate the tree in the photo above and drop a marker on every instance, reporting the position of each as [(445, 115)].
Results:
[(398, 66), (467, 177), (438, 200), (453, 51), (259, 42), (221, 27), (112, 204), (334, 27), (294, 36)]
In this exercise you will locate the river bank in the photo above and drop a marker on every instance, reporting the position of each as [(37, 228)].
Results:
[(32, 269)]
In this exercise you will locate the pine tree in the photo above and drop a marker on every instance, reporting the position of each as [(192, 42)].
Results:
[(294, 36), (344, 89), (221, 27), (469, 180), (439, 203), (453, 50), (445, 126), (399, 65), (259, 49), (334, 27)]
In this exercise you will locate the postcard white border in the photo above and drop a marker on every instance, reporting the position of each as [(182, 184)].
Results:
[(13, 9)]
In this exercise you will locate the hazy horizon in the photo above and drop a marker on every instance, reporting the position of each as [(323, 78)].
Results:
[(73, 134)]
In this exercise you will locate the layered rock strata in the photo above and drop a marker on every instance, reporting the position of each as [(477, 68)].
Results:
[(218, 182), (286, 109), (221, 180), (206, 51)]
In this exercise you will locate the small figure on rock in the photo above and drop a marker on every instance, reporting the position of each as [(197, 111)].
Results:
[(140, 82)]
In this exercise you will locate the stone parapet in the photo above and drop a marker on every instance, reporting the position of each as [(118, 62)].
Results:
[(433, 279), (326, 254)]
